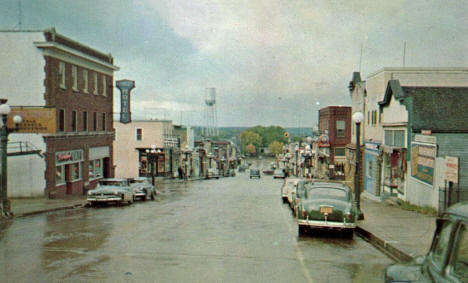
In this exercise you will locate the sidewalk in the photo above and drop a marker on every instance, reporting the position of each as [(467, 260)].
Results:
[(399, 233), (30, 206)]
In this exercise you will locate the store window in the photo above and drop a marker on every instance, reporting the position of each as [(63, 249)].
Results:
[(95, 169), (59, 175), (340, 151), (76, 171)]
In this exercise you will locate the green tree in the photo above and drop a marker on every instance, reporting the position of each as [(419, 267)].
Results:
[(250, 148), (276, 147), (248, 137)]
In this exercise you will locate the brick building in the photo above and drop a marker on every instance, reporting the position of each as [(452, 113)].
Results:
[(75, 81)]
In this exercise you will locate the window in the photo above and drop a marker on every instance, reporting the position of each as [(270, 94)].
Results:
[(340, 151), (61, 74), (74, 75), (61, 119), (74, 121), (85, 81), (103, 121), (94, 121), (76, 171), (461, 261), (104, 87), (85, 121), (441, 244), (59, 175), (340, 128), (368, 117), (95, 169), (374, 117), (95, 81), (395, 138), (139, 134)]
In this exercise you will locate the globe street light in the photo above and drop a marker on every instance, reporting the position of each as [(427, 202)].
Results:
[(357, 119), (4, 132)]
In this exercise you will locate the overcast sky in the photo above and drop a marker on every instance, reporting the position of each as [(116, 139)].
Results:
[(271, 62)]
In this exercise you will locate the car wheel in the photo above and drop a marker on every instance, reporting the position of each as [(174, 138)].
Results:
[(301, 230), (349, 233)]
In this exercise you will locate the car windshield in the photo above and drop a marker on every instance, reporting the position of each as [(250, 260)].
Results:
[(111, 183), (332, 193)]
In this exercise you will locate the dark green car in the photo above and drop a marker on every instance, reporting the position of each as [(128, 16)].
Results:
[(328, 206), (447, 259)]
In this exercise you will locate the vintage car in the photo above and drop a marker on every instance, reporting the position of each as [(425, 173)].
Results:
[(279, 174), (111, 190), (447, 258), (289, 185), (142, 188), (326, 205), (212, 173), (296, 194), (254, 173)]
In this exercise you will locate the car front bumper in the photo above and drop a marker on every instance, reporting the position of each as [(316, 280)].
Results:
[(325, 224), (104, 198)]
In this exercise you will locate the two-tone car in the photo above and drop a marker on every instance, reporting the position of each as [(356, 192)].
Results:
[(111, 190), (295, 194), (142, 188), (326, 205), (447, 259)]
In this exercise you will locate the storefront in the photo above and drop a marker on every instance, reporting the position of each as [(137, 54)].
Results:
[(98, 160), (69, 170), (152, 161)]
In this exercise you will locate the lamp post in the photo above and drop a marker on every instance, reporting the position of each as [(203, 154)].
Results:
[(152, 157), (4, 132), (357, 118)]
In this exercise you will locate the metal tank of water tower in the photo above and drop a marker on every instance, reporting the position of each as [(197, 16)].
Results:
[(210, 128)]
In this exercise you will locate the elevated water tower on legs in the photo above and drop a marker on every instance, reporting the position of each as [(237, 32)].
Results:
[(210, 128)]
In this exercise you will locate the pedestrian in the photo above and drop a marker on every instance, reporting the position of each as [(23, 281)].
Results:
[(181, 172)]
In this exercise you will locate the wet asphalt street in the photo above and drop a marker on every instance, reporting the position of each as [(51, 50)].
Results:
[(226, 230)]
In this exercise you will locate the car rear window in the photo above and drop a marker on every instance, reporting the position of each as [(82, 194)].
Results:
[(333, 193)]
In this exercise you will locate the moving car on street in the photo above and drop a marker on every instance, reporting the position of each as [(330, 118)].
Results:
[(254, 173), (111, 190), (212, 173), (447, 259), (142, 188), (279, 174), (326, 206)]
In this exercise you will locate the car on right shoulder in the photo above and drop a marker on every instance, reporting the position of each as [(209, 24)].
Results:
[(447, 258)]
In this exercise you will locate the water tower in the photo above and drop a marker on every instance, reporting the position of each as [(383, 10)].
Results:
[(210, 128)]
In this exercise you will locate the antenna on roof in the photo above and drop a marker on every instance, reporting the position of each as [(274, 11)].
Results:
[(404, 54), (360, 60)]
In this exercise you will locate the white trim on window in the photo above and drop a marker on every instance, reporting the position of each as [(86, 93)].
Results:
[(74, 76), (95, 79), (104, 87)]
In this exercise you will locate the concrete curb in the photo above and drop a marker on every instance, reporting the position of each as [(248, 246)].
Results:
[(79, 205), (385, 247)]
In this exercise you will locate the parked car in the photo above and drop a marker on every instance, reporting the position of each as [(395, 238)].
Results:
[(254, 173), (268, 171), (142, 188), (212, 173), (447, 259), (279, 173), (289, 185), (111, 190), (296, 193), (326, 206)]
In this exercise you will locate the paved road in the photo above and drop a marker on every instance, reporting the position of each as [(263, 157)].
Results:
[(226, 230)]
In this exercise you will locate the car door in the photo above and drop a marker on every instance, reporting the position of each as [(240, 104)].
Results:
[(440, 250)]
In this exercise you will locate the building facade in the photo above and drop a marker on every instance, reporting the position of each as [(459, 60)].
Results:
[(75, 82)]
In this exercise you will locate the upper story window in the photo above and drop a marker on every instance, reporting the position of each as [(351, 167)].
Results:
[(104, 87), (61, 120), (395, 138), (61, 74), (85, 121), (139, 134), (103, 121), (95, 81), (85, 81), (340, 128), (74, 76), (94, 121), (74, 121)]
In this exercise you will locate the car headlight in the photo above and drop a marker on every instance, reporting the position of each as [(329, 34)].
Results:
[(116, 193)]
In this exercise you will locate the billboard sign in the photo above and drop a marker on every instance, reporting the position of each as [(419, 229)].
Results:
[(36, 120)]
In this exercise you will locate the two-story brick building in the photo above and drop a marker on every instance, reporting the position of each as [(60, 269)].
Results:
[(46, 69)]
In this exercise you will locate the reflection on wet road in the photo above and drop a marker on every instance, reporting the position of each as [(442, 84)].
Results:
[(226, 230)]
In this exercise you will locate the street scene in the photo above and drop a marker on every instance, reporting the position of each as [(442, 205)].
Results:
[(224, 141)]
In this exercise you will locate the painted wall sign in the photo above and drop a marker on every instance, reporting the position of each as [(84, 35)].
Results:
[(69, 156), (451, 169), (423, 162), (125, 86), (36, 120)]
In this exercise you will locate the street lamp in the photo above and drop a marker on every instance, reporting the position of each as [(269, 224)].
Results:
[(357, 119), (4, 132), (152, 158)]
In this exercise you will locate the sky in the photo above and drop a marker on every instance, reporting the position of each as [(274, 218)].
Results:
[(272, 62)]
